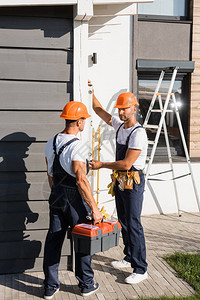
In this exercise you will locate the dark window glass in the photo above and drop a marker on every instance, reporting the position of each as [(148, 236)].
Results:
[(146, 90)]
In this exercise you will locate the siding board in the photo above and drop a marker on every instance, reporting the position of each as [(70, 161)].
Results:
[(23, 186), (36, 63), (23, 206), (33, 265), (28, 249), (35, 71), (40, 126), (44, 56), (16, 221), (30, 32), (34, 95), (39, 11)]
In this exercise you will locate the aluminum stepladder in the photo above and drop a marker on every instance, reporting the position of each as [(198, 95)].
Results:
[(162, 124)]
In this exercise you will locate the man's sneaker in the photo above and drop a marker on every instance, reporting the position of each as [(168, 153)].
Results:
[(87, 292), (48, 294), (118, 264), (136, 278)]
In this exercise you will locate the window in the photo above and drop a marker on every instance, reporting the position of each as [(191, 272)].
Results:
[(165, 8), (146, 90)]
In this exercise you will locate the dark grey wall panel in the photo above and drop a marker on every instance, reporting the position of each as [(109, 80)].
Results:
[(28, 248), (15, 236), (166, 41), (16, 158), (35, 71), (42, 56), (36, 63), (23, 186), (30, 265), (16, 221), (35, 95), (34, 162), (29, 206), (40, 126), (39, 11), (34, 32)]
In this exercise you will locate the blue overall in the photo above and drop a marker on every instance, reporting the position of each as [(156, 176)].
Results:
[(129, 207), (67, 208)]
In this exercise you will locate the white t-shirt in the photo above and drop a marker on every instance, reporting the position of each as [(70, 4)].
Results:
[(73, 152), (138, 140)]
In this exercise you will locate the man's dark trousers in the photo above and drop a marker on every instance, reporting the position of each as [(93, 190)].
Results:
[(129, 208), (73, 212)]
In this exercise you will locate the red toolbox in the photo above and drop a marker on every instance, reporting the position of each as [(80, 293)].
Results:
[(87, 238), (107, 235), (90, 239), (117, 229)]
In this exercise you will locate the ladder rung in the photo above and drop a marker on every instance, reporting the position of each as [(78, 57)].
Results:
[(151, 142), (159, 110), (150, 126)]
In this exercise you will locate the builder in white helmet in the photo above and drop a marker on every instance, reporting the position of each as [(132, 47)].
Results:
[(71, 199), (128, 181)]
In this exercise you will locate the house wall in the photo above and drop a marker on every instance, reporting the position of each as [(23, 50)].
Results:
[(36, 64), (159, 196), (110, 38), (195, 84), (113, 73)]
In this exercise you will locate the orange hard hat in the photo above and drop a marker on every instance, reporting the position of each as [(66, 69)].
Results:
[(75, 110), (125, 100)]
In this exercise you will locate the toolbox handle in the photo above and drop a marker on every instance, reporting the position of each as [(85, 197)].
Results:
[(93, 222)]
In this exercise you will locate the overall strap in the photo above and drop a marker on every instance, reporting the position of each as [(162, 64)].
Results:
[(54, 143), (67, 144), (127, 140), (63, 147), (118, 130)]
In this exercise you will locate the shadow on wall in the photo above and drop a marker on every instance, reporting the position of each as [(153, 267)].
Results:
[(17, 252), (55, 22)]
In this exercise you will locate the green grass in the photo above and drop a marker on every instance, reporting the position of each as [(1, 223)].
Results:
[(187, 267)]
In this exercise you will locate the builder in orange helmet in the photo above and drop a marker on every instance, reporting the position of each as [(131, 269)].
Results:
[(70, 201), (128, 181)]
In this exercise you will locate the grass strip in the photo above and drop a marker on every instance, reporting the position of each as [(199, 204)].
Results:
[(187, 267)]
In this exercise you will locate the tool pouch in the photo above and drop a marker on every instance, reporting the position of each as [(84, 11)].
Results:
[(112, 184), (131, 178), (128, 183), (122, 182), (136, 177)]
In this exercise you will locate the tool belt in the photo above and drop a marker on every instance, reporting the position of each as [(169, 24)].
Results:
[(126, 180)]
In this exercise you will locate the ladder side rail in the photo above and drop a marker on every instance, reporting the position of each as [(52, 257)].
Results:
[(154, 97), (170, 158), (161, 123), (185, 148)]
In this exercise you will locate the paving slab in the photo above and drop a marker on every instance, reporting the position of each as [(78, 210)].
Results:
[(164, 234)]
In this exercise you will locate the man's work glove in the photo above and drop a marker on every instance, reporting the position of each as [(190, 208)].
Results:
[(104, 213), (111, 189), (111, 185)]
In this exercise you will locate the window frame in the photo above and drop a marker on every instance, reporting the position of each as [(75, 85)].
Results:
[(185, 78), (167, 18)]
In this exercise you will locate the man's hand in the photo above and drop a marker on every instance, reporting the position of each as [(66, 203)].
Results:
[(95, 164), (99, 110), (97, 216)]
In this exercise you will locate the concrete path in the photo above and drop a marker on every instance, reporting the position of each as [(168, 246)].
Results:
[(164, 235)]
